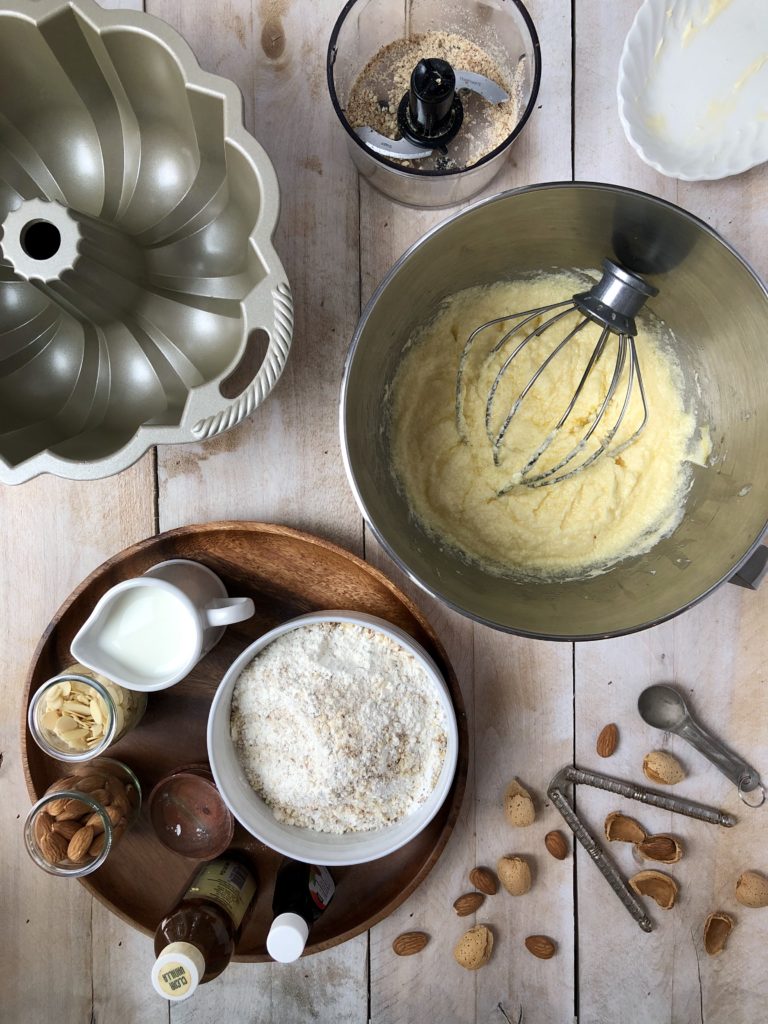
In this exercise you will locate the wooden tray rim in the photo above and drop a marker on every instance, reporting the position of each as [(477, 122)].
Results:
[(458, 787)]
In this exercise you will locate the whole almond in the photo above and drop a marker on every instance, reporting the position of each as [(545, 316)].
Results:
[(608, 740), (53, 847), (468, 903), (409, 943), (102, 796), (515, 875), (89, 783), (484, 880), (55, 807), (115, 787), (66, 828), (96, 822), (73, 809), (122, 803), (43, 825), (65, 782), (556, 844), (114, 814), (79, 843), (518, 805), (663, 848), (661, 766), (541, 946), (97, 845), (473, 950)]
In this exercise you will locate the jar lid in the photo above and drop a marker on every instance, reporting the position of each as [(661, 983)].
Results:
[(287, 938), (178, 971)]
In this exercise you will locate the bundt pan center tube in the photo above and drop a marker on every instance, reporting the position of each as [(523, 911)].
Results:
[(137, 271)]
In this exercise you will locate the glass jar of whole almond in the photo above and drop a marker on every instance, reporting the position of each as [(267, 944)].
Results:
[(77, 715), (81, 817)]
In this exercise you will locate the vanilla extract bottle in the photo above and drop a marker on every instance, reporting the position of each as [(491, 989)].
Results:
[(196, 941), (302, 892)]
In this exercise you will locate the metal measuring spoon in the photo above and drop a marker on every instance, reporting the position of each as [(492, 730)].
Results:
[(664, 708)]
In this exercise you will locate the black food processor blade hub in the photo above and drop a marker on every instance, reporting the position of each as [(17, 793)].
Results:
[(430, 113)]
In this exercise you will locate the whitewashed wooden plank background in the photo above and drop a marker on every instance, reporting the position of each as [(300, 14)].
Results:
[(532, 706)]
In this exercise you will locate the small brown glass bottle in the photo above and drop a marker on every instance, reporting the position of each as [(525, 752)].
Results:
[(302, 892), (195, 942)]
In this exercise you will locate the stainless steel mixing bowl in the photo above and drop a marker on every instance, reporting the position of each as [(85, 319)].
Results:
[(136, 262), (717, 308)]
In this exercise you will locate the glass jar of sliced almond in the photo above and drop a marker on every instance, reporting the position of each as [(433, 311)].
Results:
[(77, 714), (75, 825)]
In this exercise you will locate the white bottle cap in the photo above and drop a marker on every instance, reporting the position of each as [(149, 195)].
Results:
[(178, 970), (287, 938)]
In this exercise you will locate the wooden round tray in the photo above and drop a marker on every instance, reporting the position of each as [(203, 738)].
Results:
[(287, 573)]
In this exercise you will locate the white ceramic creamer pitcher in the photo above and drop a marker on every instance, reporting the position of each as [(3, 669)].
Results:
[(148, 633)]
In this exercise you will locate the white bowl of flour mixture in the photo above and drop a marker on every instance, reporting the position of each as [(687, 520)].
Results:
[(333, 738)]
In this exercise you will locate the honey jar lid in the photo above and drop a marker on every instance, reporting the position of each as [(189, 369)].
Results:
[(178, 970)]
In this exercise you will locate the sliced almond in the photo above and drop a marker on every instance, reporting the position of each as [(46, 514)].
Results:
[(64, 725), (49, 720), (73, 707)]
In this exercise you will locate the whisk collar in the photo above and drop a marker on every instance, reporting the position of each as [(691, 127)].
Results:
[(615, 299)]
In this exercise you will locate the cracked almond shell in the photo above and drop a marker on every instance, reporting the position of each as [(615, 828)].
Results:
[(518, 805), (717, 928), (620, 828), (660, 887)]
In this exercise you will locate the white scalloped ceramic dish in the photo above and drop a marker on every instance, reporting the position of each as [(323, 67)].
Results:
[(693, 86)]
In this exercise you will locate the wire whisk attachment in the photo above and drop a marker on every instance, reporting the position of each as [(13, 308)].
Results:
[(612, 303)]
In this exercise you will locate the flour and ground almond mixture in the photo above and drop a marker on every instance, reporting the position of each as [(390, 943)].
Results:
[(338, 728)]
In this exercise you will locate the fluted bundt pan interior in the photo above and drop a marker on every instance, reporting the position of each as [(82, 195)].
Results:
[(136, 261)]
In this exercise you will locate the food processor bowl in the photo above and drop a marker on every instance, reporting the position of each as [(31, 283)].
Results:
[(716, 307), (504, 31), (137, 272)]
